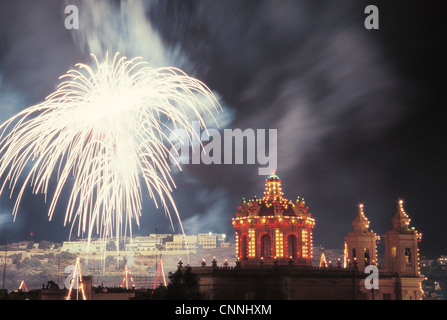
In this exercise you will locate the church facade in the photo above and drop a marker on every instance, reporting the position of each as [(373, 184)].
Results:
[(274, 256)]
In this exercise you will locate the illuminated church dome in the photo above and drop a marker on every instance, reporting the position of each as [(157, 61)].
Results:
[(273, 229), (273, 203)]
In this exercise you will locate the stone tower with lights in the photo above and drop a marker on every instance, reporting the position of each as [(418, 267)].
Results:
[(273, 230), (361, 243), (274, 257), (401, 243)]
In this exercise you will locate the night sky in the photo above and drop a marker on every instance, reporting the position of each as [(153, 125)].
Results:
[(360, 113)]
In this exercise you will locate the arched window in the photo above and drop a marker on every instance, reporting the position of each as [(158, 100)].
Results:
[(407, 255), (353, 253), (266, 246), (292, 246), (393, 256), (243, 248), (366, 256)]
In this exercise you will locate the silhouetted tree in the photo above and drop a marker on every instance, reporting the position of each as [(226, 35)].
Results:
[(183, 285), (159, 293), (52, 285), (438, 273), (45, 245), (111, 246)]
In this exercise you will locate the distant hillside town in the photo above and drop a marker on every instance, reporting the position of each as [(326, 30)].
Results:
[(37, 263), (151, 244)]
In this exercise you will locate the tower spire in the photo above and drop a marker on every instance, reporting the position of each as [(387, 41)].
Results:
[(401, 245), (273, 190), (401, 220), (361, 223)]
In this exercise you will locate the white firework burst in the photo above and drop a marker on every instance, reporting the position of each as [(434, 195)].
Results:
[(103, 133)]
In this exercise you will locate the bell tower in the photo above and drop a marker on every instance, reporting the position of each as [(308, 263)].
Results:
[(401, 242), (361, 248)]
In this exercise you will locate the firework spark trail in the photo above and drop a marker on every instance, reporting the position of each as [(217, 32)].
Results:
[(101, 130)]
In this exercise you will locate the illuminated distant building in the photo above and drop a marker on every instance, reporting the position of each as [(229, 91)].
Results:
[(5, 261), (207, 240), (152, 242), (182, 242)]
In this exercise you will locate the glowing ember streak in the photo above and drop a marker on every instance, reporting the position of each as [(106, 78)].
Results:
[(99, 132)]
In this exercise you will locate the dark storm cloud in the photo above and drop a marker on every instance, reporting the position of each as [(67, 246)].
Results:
[(338, 94), (309, 70), (35, 50)]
